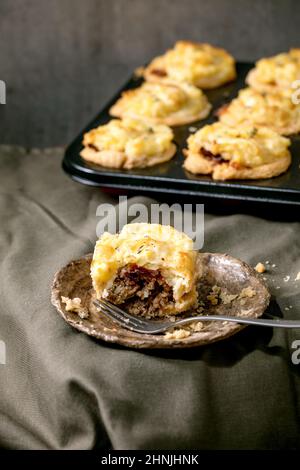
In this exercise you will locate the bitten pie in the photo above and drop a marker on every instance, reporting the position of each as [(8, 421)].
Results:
[(147, 269), (202, 65), (241, 152), (277, 72), (163, 104), (128, 144), (274, 110)]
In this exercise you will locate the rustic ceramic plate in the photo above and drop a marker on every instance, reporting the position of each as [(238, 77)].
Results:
[(230, 274)]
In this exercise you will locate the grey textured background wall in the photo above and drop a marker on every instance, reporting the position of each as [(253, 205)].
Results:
[(62, 59)]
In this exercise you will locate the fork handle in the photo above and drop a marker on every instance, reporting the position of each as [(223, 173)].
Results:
[(276, 323)]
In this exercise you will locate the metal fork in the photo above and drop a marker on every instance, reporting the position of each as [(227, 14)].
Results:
[(142, 325)]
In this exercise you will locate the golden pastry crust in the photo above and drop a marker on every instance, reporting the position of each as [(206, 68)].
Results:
[(275, 110), (241, 152), (198, 64), (172, 105), (221, 172), (128, 144), (150, 247), (275, 73)]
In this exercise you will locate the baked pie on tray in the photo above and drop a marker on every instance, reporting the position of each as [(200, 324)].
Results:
[(279, 72), (275, 110), (128, 144), (201, 65), (173, 105), (240, 152)]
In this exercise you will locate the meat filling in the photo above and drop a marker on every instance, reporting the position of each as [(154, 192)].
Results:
[(159, 72), (216, 158), (93, 147), (140, 291)]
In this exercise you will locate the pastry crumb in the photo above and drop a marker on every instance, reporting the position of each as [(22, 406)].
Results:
[(217, 295), (74, 305), (260, 268), (247, 292), (180, 333), (297, 278), (287, 278), (227, 298), (213, 296), (196, 326)]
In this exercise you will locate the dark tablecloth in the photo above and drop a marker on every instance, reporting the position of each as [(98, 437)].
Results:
[(60, 389)]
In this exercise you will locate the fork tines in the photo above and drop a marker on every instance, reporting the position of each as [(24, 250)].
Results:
[(122, 317)]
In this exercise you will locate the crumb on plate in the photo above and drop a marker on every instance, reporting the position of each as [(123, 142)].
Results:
[(196, 326), (213, 296), (74, 305), (180, 333), (260, 268), (217, 295), (247, 292), (227, 298)]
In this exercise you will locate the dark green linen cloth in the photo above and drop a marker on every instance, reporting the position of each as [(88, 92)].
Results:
[(61, 389)]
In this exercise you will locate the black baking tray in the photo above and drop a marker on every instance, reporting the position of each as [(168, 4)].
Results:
[(171, 177)]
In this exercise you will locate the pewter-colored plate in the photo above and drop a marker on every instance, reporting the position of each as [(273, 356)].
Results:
[(231, 274)]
